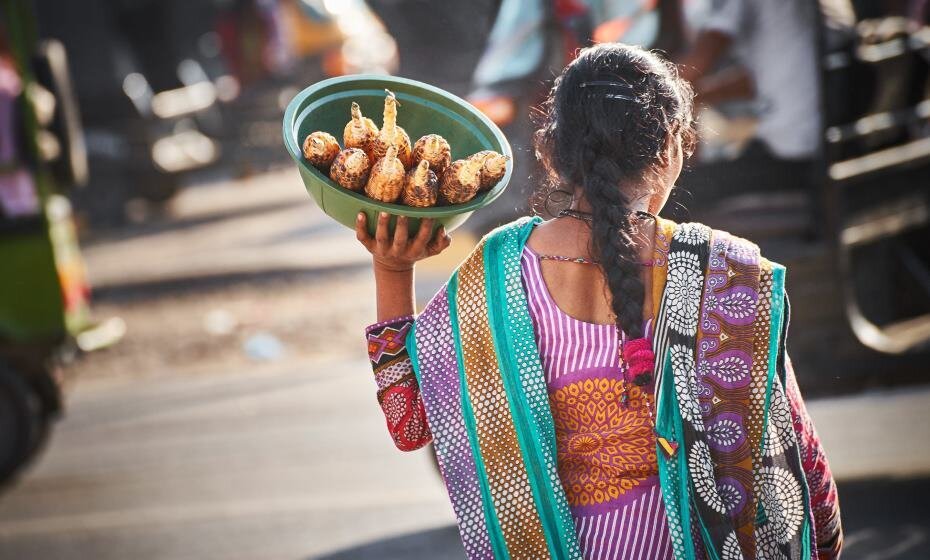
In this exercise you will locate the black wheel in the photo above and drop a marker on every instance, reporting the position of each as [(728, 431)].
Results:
[(23, 424)]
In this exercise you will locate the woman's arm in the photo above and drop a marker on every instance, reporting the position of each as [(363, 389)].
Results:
[(824, 501), (393, 259)]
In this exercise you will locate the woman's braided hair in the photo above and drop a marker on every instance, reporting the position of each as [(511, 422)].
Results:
[(605, 128)]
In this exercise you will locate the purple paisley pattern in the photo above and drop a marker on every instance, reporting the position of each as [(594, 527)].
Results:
[(725, 432), (724, 371)]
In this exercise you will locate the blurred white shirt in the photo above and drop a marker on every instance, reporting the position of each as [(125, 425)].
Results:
[(776, 40)]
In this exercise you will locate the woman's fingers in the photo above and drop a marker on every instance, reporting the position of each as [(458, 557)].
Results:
[(400, 244), (401, 233), (382, 235), (421, 241), (440, 242), (361, 231)]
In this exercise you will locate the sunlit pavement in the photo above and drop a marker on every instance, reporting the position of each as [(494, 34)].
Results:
[(184, 449)]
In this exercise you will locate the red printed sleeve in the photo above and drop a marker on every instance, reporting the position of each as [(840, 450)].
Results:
[(398, 391), (825, 504)]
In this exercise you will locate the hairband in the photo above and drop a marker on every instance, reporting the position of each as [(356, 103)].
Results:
[(608, 83)]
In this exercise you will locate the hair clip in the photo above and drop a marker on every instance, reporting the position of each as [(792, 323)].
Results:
[(608, 83), (620, 96), (592, 83)]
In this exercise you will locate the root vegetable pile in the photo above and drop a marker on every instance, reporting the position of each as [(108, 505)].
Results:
[(382, 163)]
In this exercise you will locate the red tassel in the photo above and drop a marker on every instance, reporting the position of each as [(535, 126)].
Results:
[(639, 358)]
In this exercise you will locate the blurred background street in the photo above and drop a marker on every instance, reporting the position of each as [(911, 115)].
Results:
[(220, 404)]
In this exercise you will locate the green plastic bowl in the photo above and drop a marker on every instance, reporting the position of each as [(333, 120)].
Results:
[(424, 109)]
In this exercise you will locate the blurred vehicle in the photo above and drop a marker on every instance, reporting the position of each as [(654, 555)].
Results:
[(877, 174), (148, 76), (44, 296)]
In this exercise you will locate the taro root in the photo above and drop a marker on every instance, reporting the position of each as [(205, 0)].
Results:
[(350, 169), (391, 134), (320, 149), (421, 188), (360, 132), (434, 149), (493, 168), (461, 180), (387, 178)]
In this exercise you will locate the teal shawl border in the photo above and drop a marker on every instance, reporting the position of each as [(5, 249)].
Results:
[(524, 381), (775, 328), (675, 487), (777, 350)]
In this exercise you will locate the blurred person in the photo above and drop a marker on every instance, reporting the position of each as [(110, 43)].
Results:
[(776, 45), (530, 42), (534, 370), (18, 195), (532, 39)]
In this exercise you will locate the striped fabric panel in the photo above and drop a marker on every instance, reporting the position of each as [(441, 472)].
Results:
[(565, 343), (635, 532), (433, 350), (508, 481)]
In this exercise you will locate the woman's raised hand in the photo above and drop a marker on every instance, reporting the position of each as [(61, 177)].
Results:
[(400, 252)]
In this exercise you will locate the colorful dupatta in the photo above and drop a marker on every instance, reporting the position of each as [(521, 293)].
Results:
[(734, 487)]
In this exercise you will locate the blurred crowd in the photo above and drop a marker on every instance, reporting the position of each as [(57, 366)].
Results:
[(160, 85)]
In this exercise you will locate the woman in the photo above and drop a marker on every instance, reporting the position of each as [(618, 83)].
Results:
[(534, 372)]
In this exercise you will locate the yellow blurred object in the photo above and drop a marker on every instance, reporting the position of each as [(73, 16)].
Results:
[(500, 109), (443, 264), (309, 37)]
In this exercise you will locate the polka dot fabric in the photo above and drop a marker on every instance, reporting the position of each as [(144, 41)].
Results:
[(509, 484), (434, 349), (508, 247)]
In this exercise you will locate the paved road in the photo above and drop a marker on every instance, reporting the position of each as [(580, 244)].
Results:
[(292, 462), (283, 463)]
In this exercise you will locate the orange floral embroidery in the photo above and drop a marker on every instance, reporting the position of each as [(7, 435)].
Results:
[(604, 449)]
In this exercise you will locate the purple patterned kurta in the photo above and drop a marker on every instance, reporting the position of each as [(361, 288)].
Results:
[(606, 452)]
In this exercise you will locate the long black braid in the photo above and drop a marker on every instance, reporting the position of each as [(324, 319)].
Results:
[(604, 129)]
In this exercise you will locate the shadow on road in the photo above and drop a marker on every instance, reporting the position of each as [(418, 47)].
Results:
[(884, 519), (437, 544), (161, 288)]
